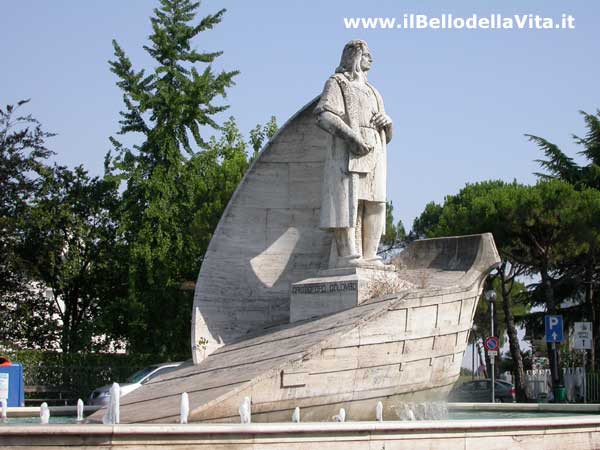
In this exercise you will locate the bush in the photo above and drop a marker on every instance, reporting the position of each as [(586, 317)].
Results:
[(78, 374)]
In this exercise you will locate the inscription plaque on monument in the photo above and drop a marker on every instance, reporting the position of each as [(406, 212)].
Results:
[(321, 288)]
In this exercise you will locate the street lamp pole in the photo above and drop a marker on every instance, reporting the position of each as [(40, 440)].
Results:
[(490, 296)]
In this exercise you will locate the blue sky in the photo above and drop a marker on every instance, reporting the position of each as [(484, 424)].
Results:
[(461, 100)]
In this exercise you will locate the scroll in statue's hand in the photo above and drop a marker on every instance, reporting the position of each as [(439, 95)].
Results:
[(381, 120)]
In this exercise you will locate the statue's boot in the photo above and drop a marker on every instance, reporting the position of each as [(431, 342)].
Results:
[(345, 242), (349, 261), (376, 261)]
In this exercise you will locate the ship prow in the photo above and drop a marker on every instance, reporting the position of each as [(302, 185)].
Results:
[(408, 345)]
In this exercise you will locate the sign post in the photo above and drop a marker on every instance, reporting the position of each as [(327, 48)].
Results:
[(554, 334), (492, 345), (582, 340)]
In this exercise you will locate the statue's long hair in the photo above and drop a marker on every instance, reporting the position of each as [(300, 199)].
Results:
[(350, 61)]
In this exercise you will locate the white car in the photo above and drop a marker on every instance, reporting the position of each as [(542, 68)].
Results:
[(101, 395)]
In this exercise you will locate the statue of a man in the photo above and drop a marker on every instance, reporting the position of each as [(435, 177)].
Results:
[(353, 194)]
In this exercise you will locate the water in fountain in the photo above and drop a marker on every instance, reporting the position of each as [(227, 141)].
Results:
[(296, 415), (44, 413), (404, 411), (4, 409), (80, 410), (184, 409), (379, 412), (421, 411), (113, 413), (245, 411)]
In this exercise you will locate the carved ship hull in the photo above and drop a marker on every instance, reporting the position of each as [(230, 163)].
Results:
[(406, 346)]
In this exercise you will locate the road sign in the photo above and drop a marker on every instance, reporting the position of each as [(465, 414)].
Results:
[(492, 353), (492, 343), (554, 328), (582, 336)]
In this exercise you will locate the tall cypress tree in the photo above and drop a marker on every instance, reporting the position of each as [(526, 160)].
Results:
[(164, 175)]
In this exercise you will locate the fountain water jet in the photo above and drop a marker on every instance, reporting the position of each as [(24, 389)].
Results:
[(44, 414), (341, 417), (422, 411), (245, 411), (113, 413), (296, 415), (185, 408), (379, 412), (80, 410)]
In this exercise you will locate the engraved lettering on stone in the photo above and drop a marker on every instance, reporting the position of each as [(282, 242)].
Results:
[(324, 288)]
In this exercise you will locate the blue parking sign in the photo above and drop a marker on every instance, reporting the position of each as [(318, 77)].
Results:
[(554, 328)]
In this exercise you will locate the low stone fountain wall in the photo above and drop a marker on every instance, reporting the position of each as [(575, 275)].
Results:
[(576, 432), (554, 433)]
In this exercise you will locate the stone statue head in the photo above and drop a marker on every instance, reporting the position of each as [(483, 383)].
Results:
[(356, 59)]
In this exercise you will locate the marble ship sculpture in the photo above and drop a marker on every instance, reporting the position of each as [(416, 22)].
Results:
[(292, 306)]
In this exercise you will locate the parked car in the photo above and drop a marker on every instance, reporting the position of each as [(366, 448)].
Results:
[(481, 391), (100, 396)]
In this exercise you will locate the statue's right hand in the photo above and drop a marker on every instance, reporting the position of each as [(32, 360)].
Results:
[(361, 149)]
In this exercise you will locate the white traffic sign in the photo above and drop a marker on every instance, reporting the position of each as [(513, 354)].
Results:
[(492, 353), (3, 385), (582, 336)]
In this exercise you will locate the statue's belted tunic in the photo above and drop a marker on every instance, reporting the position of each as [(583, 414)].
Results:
[(349, 177)]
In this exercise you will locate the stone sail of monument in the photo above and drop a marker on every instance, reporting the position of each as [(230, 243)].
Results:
[(267, 239)]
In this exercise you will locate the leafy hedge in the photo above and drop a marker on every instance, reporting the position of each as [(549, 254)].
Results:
[(78, 374)]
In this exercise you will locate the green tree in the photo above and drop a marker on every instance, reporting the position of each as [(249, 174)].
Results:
[(23, 155), (395, 235), (538, 230), (259, 134), (214, 175), (427, 221), (70, 245), (478, 208), (560, 166), (177, 181)]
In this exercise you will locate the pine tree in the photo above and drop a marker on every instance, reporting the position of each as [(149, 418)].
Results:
[(560, 166)]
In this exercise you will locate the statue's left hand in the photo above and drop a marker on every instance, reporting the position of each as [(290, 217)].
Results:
[(381, 120)]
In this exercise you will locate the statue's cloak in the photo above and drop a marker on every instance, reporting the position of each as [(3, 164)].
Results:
[(349, 177)]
